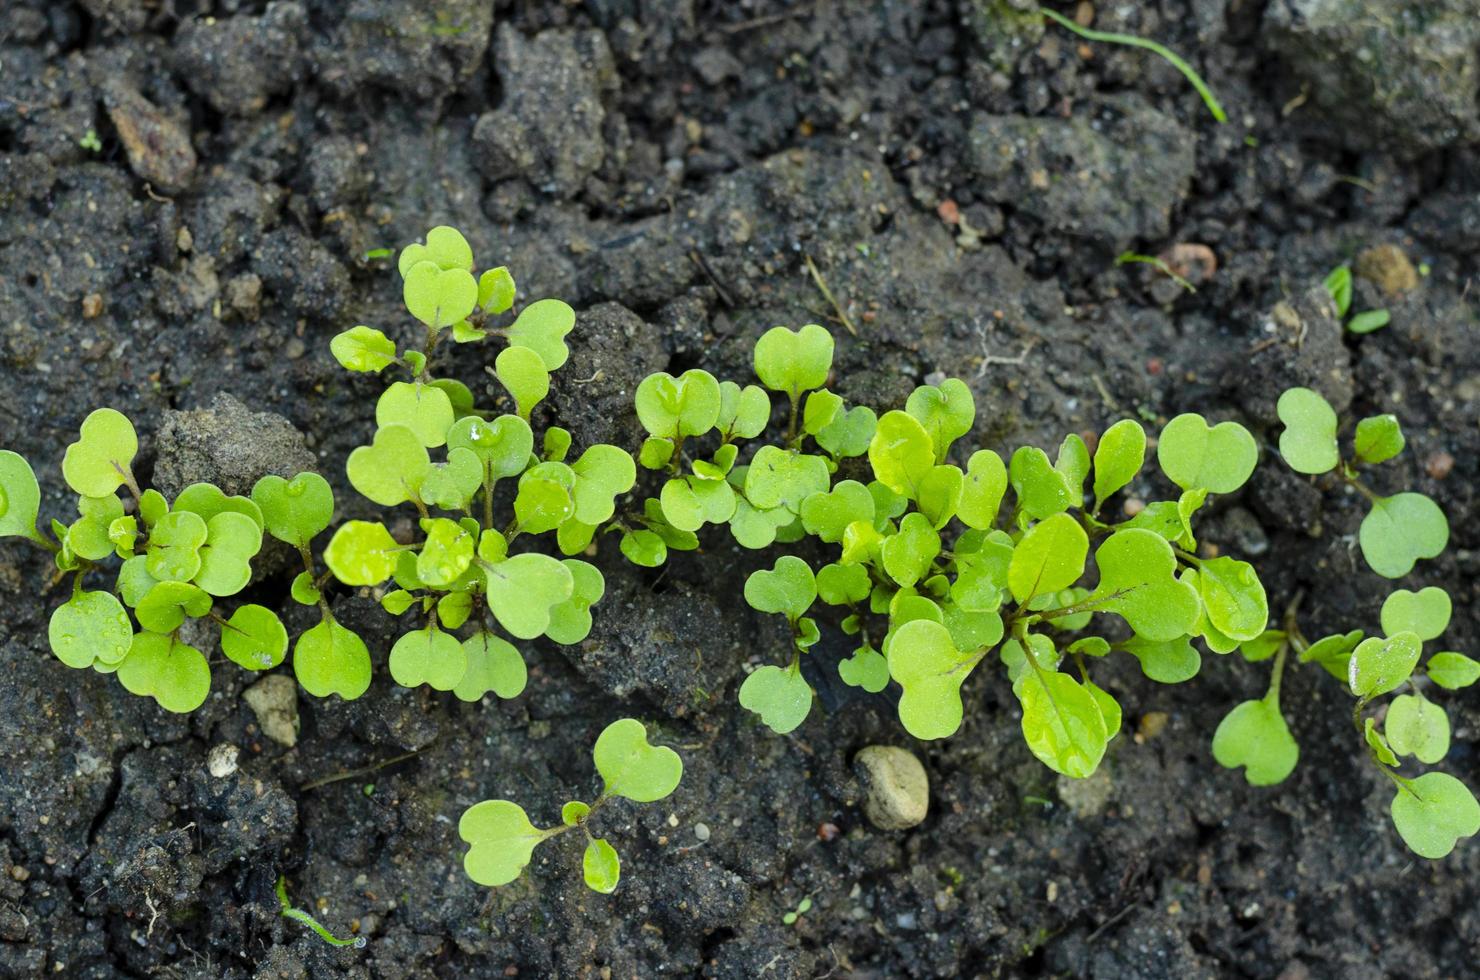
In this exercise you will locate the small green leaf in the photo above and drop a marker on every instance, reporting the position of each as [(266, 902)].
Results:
[(743, 412), (304, 591), (447, 247), (232, 540), (1263, 646), (677, 408), (99, 462), (1118, 458), (444, 557), (849, 433), (779, 695), (570, 621), (1041, 490), (908, 555), (1233, 597), (493, 665), (523, 590), (363, 349), (173, 674), (439, 297), (20, 497), (779, 478), (454, 608), (841, 585), (254, 638), (924, 660), (602, 474), (1368, 321), (542, 326), (425, 410), (296, 510), (1379, 665), (428, 656), (451, 485), (1050, 557), (91, 627), (573, 812), (632, 768), (1418, 727), (1399, 530), (982, 490), (1063, 722), (645, 548), (1334, 653), (1309, 440), (496, 290), (174, 546), (1072, 464), (544, 501), (1378, 744), (523, 374), (1379, 438), (1194, 455), (827, 515), (794, 361), (946, 412), (1425, 612), (866, 669), (89, 536), (501, 840), (901, 453), (1165, 661), (391, 469), (788, 588), (821, 408), (1254, 735), (1453, 670), (503, 445), (600, 866), (1339, 284), (329, 659), (1433, 812), (1138, 581), (362, 553), (939, 494)]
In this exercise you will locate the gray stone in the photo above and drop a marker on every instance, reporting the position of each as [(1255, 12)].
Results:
[(896, 786), (227, 445), (274, 700)]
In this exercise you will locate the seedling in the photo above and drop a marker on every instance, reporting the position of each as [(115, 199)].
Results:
[(1339, 284), (501, 839), (171, 562), (462, 573), (928, 575), (1431, 811), (299, 915), (803, 907), (1399, 529)]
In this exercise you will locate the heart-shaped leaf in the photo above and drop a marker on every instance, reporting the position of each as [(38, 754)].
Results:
[(363, 349), (390, 470), (1118, 458), (946, 412), (755, 528), (632, 768), (1334, 653), (939, 494), (294, 511), (444, 557), (208, 500), (908, 555), (425, 410), (1418, 727), (439, 297), (689, 502), (1166, 661), (524, 589), (1233, 597), (232, 540), (603, 473), (493, 664), (982, 490), (840, 585), (1399, 530), (167, 605), (1040, 488), (445, 246), (827, 515), (924, 660), (174, 546), (778, 478), (1254, 735), (1050, 557), (451, 485), (1138, 581), (1378, 665), (20, 497), (1433, 812), (1063, 722), (600, 866), (428, 656), (570, 621), (794, 361), (677, 408), (504, 444), (1309, 440), (1379, 438), (254, 638), (175, 675), (501, 840), (89, 628), (1425, 612), (99, 462), (523, 374), (1215, 458), (866, 669), (496, 290), (849, 433), (541, 326), (330, 659), (779, 695), (1453, 670), (90, 536), (901, 453), (362, 553), (788, 588)]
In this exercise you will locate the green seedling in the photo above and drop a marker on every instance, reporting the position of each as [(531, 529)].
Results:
[(1157, 263), (1339, 284), (501, 839), (803, 907), (928, 572), (288, 911), (459, 579), (1399, 529), (1130, 40), (1431, 811)]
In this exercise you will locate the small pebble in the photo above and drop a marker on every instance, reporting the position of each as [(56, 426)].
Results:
[(221, 762), (898, 788), (92, 306), (1438, 464), (701, 831)]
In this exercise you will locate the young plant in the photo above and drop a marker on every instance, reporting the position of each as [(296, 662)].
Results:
[(462, 573), (1339, 284), (289, 911), (170, 562), (926, 613), (1398, 530), (501, 839), (1431, 811)]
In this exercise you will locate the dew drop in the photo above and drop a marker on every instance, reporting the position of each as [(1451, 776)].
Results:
[(296, 489)]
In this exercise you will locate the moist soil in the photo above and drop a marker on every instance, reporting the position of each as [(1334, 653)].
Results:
[(188, 195)]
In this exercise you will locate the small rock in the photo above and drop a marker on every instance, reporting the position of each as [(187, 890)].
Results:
[(1086, 797), (274, 700), (1387, 267), (158, 146), (221, 761), (898, 790), (1438, 464), (228, 445), (92, 306)]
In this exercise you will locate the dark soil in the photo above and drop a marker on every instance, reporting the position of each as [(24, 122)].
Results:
[(964, 179)]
